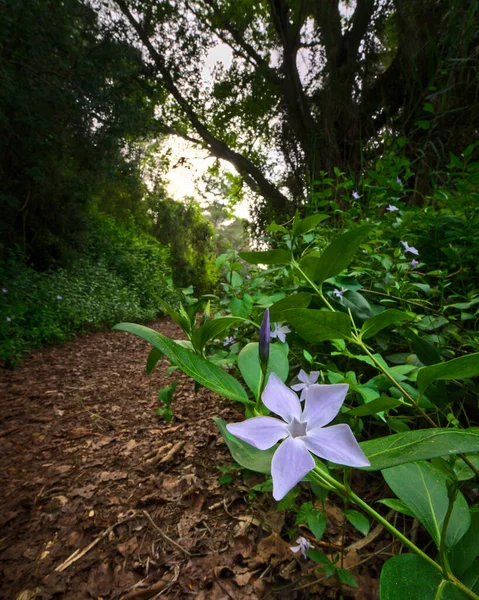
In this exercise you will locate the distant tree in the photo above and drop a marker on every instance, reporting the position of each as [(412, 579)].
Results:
[(72, 103)]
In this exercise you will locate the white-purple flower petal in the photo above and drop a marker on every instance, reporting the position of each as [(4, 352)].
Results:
[(336, 444), (291, 462), (323, 403), (281, 400), (260, 432)]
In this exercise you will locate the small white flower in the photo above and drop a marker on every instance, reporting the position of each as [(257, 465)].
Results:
[(59, 297), (391, 207), (302, 546), (398, 180), (280, 332), (4, 290), (355, 195), (229, 340), (339, 293), (306, 382), (408, 248), (8, 319)]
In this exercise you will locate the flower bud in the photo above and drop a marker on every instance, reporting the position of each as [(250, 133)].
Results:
[(264, 339)]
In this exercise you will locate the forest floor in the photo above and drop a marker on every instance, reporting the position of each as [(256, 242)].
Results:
[(102, 499)]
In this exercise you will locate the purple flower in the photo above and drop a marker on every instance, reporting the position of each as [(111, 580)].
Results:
[(408, 248), (8, 319), (229, 340), (59, 297), (302, 546), (414, 263), (398, 180), (355, 195), (264, 340), (302, 432), (306, 382), (280, 332), (4, 290), (339, 293), (391, 207)]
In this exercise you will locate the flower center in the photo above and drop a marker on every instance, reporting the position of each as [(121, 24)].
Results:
[(297, 428)]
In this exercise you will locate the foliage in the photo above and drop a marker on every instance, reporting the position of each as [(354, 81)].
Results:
[(310, 85), (401, 334), (69, 103), (121, 277)]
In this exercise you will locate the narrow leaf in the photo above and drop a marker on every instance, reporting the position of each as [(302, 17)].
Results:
[(212, 329), (196, 367), (372, 408), (308, 223)]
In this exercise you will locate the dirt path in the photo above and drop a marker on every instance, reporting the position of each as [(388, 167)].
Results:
[(102, 499)]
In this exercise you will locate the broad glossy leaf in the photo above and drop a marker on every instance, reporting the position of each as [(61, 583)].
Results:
[(249, 365), (317, 523), (410, 577), (318, 325), (245, 455), (427, 353), (336, 257), (267, 257), (358, 305), (212, 329), (299, 300), (421, 444), (457, 368), (466, 550), (422, 487), (378, 322), (196, 367)]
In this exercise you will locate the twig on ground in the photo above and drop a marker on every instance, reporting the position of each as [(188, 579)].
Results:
[(163, 534)]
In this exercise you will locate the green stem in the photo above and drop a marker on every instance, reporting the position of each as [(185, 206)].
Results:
[(442, 545), (318, 290), (325, 480)]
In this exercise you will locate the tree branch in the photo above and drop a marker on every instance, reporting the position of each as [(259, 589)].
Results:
[(219, 148)]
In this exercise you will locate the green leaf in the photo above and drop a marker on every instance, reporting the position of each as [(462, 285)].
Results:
[(466, 550), (397, 505), (299, 300), (267, 257), (318, 557), (422, 487), (318, 325), (378, 322), (244, 454), (427, 353), (410, 577), (196, 367), (336, 257), (419, 445), (180, 319), (317, 523), (212, 329), (153, 357), (249, 365), (346, 577), (308, 223), (457, 368), (357, 520), (372, 408), (462, 471), (241, 308)]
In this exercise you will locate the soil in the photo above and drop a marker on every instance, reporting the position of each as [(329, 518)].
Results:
[(103, 499)]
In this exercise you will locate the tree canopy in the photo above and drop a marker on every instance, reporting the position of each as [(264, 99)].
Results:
[(311, 85)]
